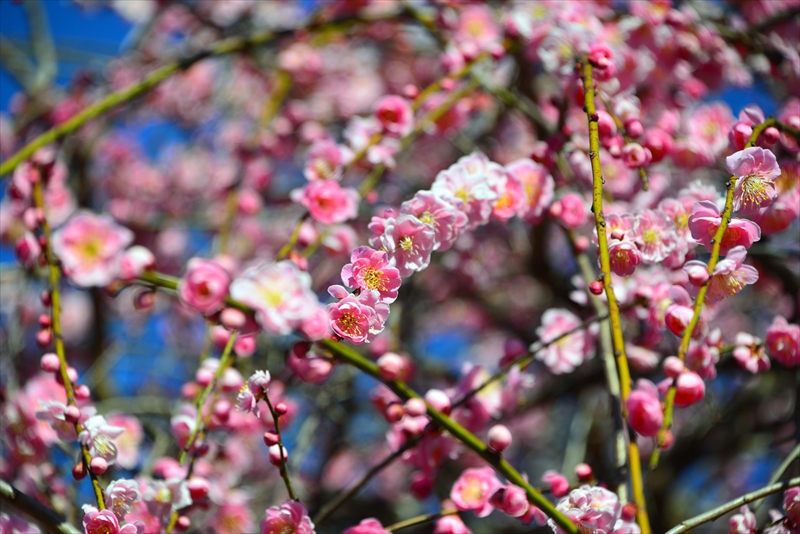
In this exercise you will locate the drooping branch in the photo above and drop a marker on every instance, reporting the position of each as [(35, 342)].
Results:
[(45, 517)]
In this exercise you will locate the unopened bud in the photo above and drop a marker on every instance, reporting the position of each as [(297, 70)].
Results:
[(499, 437)]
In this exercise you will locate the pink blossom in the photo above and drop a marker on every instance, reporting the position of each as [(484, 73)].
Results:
[(644, 410), (510, 195), (309, 366), (564, 355), (447, 221), (591, 508), (129, 442), (750, 354), (783, 342), (709, 125), (476, 31), (105, 522), (279, 292), (450, 524), (571, 210), (121, 495), (134, 262), (730, 276), (323, 162), (55, 413), (327, 201), (465, 185), (395, 115), (689, 389), (358, 319), (291, 516), (511, 500), (370, 270), (755, 170), (744, 522), (166, 496), (315, 325), (537, 184), (473, 490), (654, 234), (204, 286), (89, 247), (705, 221), (791, 503), (624, 256), (557, 482), (252, 392), (98, 436), (409, 243), (28, 250), (635, 155), (367, 526)]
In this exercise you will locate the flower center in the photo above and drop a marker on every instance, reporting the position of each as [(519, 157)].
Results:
[(650, 236), (164, 496), (349, 324), (91, 248), (462, 194), (271, 296), (406, 243), (754, 190), (428, 218), (323, 168), (105, 447), (472, 492), (103, 528), (374, 279)]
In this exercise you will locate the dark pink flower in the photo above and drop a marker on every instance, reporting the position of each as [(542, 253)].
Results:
[(291, 516), (473, 490), (644, 410), (358, 319), (327, 201), (370, 270), (105, 522), (557, 482), (705, 221), (204, 286), (783, 342), (755, 170), (395, 115), (744, 522)]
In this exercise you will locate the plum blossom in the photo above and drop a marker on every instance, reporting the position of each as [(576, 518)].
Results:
[(166, 496), (749, 353), (744, 522), (370, 270), (591, 508), (409, 243), (395, 115), (476, 31), (537, 184), (205, 285), (654, 234), (121, 495), (450, 524), (327, 201), (97, 436), (90, 247), (564, 355), (279, 292), (253, 391), (644, 409), (755, 170), (357, 318), (473, 490), (705, 220), (105, 522), (624, 256), (291, 516), (323, 161), (783, 342), (367, 526), (730, 276), (466, 186), (447, 221)]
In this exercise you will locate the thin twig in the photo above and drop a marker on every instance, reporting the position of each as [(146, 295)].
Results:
[(284, 471), (420, 519), (732, 505)]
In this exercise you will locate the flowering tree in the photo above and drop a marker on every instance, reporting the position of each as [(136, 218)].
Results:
[(482, 267)]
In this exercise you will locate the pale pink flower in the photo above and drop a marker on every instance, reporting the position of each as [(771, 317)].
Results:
[(709, 125), (750, 354), (98, 437), (465, 185), (645, 415), (744, 522), (233, 516), (279, 292), (14, 524), (90, 247), (323, 161), (367, 526), (473, 490), (204, 286), (166, 496), (654, 234), (783, 342), (370, 270), (476, 31), (129, 442), (447, 221), (105, 522), (537, 184), (327, 201), (121, 495), (755, 170), (253, 391), (450, 524), (591, 508), (564, 355), (291, 516), (409, 243), (395, 115), (705, 221), (730, 276)]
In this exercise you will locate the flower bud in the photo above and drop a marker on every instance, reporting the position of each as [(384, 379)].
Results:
[(391, 366), (281, 408), (416, 407), (421, 484), (72, 414), (558, 483), (277, 453), (596, 287), (232, 319), (44, 337), (82, 392), (771, 136), (739, 135), (394, 412), (698, 275), (79, 471), (198, 487), (270, 438), (204, 376), (673, 366), (49, 363), (645, 415), (499, 437), (690, 389), (635, 155), (634, 128), (183, 523), (245, 346), (98, 466), (584, 472), (438, 400)]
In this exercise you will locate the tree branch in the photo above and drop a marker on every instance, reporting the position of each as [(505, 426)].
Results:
[(47, 518)]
